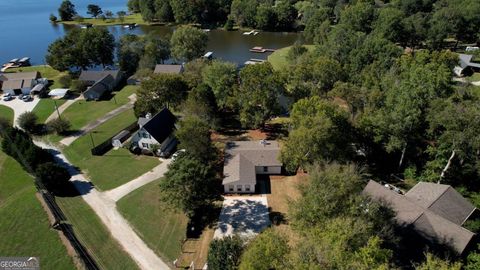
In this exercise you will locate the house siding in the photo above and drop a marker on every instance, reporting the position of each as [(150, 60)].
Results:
[(226, 188), (269, 170)]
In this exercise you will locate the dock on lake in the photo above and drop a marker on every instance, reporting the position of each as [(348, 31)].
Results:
[(258, 49)]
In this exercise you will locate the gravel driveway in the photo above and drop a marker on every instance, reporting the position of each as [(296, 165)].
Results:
[(19, 106)]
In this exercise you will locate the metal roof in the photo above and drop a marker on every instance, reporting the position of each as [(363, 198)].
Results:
[(168, 69)]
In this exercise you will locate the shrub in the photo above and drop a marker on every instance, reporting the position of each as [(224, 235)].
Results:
[(59, 126), (28, 121), (53, 18), (65, 81), (228, 24), (224, 254), (78, 18), (78, 86)]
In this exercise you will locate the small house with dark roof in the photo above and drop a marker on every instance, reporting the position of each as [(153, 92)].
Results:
[(99, 88), (90, 77), (168, 69), (156, 133), (436, 212), (244, 160)]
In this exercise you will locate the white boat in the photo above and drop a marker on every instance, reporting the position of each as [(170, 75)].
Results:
[(249, 33)]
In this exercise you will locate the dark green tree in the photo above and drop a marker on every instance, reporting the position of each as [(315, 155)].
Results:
[(66, 11), (224, 253), (28, 121), (188, 43), (267, 251), (222, 78), (54, 177), (94, 10), (194, 136)]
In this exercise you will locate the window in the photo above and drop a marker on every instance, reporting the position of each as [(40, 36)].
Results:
[(247, 187), (145, 135), (231, 188), (145, 145), (239, 187), (265, 169)]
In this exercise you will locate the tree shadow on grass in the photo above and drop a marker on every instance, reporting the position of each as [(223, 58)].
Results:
[(204, 217)]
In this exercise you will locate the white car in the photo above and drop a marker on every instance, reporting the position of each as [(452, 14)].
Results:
[(176, 154)]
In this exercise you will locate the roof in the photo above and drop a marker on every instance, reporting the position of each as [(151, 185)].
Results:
[(443, 200), (241, 158), (32, 75), (466, 61), (96, 75), (415, 208), (168, 69), (12, 84), (239, 168), (39, 87), (99, 87), (161, 125), (59, 92)]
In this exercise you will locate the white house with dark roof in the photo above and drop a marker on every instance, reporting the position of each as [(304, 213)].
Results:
[(244, 160), (437, 212), (156, 132)]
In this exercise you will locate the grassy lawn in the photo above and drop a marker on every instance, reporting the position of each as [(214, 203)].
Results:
[(278, 59), (115, 167), (45, 108), (161, 228), (130, 19), (6, 113), (83, 112), (45, 71), (24, 226), (475, 77), (94, 236)]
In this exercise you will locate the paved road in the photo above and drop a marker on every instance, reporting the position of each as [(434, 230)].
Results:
[(156, 173), (19, 106), (62, 108), (70, 139), (105, 208)]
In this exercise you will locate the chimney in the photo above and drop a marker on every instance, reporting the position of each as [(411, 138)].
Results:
[(148, 116)]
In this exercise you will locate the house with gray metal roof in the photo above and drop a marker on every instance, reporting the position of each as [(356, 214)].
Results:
[(168, 69), (244, 160), (437, 212), (467, 65)]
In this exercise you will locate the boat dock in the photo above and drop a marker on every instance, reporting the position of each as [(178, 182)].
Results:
[(254, 61), (14, 63), (261, 50), (253, 32)]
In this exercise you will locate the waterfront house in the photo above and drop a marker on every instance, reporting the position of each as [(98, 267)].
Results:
[(434, 211), (100, 82), (19, 82), (168, 69), (244, 160), (155, 133)]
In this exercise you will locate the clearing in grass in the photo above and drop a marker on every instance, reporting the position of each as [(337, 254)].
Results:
[(129, 19), (7, 113), (116, 167), (278, 59), (24, 226), (160, 227), (45, 108)]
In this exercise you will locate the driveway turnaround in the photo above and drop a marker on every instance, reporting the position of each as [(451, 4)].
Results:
[(243, 215), (19, 106), (157, 172), (70, 139), (106, 210)]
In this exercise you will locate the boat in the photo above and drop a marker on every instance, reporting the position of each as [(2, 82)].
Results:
[(208, 55), (258, 49), (249, 33), (24, 62), (206, 30)]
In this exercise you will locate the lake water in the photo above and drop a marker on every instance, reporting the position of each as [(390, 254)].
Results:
[(26, 31)]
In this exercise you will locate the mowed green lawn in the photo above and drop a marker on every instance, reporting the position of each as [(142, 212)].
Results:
[(24, 226), (130, 19), (278, 59), (94, 236), (115, 167), (45, 108), (7, 113), (83, 112), (161, 228)]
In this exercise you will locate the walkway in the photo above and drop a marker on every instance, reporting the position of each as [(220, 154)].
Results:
[(70, 139), (19, 106), (156, 173), (62, 108), (105, 208)]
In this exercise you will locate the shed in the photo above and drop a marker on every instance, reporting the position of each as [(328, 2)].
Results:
[(121, 137), (58, 93)]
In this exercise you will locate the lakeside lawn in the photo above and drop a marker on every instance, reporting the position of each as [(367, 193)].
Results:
[(7, 113), (161, 228), (46, 71), (116, 167), (474, 78), (96, 238), (83, 112), (45, 108), (129, 19), (24, 226), (278, 59)]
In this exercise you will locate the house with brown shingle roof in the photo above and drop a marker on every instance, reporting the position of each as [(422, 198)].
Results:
[(244, 160), (19, 82), (435, 211)]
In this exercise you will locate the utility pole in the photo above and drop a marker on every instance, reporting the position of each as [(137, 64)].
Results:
[(91, 138), (56, 108)]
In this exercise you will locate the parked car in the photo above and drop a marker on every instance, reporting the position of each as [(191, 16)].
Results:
[(7, 97), (178, 153), (27, 98)]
